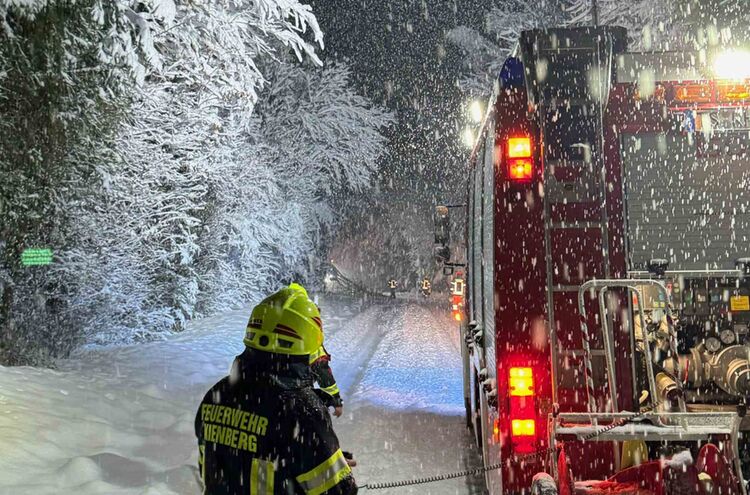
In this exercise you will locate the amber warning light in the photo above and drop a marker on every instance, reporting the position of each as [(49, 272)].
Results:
[(523, 427), (519, 147), (521, 382), (518, 154)]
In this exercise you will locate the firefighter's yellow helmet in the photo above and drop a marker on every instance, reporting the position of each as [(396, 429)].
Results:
[(297, 287), (287, 322)]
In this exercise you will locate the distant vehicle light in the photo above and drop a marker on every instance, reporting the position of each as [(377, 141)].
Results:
[(732, 64), (475, 110), (519, 147)]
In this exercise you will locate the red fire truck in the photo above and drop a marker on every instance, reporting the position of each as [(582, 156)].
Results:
[(609, 212)]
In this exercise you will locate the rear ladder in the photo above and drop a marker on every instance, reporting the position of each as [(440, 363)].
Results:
[(570, 81)]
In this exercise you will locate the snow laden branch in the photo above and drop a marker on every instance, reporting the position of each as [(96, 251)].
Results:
[(485, 50), (649, 24), (66, 69), (136, 152), (219, 197)]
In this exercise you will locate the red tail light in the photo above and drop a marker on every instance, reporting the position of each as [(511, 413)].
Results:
[(519, 158), (520, 169), (522, 409)]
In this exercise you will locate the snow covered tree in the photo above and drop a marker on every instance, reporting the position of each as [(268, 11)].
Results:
[(708, 23), (204, 206), (64, 71), (381, 242), (649, 24), (316, 140), (186, 129), (485, 50), (164, 190)]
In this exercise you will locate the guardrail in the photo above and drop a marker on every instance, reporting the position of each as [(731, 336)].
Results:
[(352, 287)]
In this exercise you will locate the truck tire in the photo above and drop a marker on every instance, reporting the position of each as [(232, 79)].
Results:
[(476, 415), (467, 407)]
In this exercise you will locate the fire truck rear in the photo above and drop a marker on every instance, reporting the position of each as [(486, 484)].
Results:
[(608, 220)]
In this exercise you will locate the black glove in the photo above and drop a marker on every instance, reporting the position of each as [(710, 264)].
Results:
[(327, 399)]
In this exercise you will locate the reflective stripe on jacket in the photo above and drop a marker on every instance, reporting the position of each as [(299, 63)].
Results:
[(264, 431)]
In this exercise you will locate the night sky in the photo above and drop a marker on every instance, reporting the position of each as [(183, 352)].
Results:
[(400, 58)]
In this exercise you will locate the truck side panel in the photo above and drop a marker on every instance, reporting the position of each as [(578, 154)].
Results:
[(519, 287)]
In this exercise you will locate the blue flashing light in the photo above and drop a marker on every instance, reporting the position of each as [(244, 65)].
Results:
[(511, 75), (688, 121)]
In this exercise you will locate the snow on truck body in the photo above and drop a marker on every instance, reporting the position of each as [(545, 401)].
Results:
[(591, 161)]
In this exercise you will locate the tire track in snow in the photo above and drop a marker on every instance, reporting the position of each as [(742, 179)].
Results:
[(416, 366), (400, 413), (353, 346)]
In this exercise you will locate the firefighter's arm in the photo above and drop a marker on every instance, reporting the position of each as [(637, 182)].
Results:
[(324, 376), (324, 469)]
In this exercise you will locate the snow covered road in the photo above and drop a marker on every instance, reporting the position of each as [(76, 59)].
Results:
[(120, 420)]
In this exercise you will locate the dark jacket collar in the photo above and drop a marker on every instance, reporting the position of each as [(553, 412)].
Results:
[(269, 369)]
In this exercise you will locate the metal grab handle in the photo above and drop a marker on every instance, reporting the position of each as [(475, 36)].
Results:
[(604, 285), (609, 345)]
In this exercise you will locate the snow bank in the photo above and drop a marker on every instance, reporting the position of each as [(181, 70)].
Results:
[(113, 421)]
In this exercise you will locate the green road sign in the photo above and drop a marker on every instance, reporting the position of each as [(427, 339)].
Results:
[(36, 257)]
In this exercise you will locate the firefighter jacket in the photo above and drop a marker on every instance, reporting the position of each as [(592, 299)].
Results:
[(263, 430), (322, 373)]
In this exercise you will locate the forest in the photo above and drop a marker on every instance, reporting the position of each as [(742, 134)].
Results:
[(176, 158)]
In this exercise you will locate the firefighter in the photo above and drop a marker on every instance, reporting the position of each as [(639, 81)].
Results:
[(322, 373), (392, 284), (263, 430), (426, 287)]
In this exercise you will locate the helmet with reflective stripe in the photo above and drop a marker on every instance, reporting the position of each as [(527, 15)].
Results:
[(287, 322)]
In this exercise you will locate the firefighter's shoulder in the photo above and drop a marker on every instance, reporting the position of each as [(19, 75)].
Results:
[(221, 393), (308, 411)]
